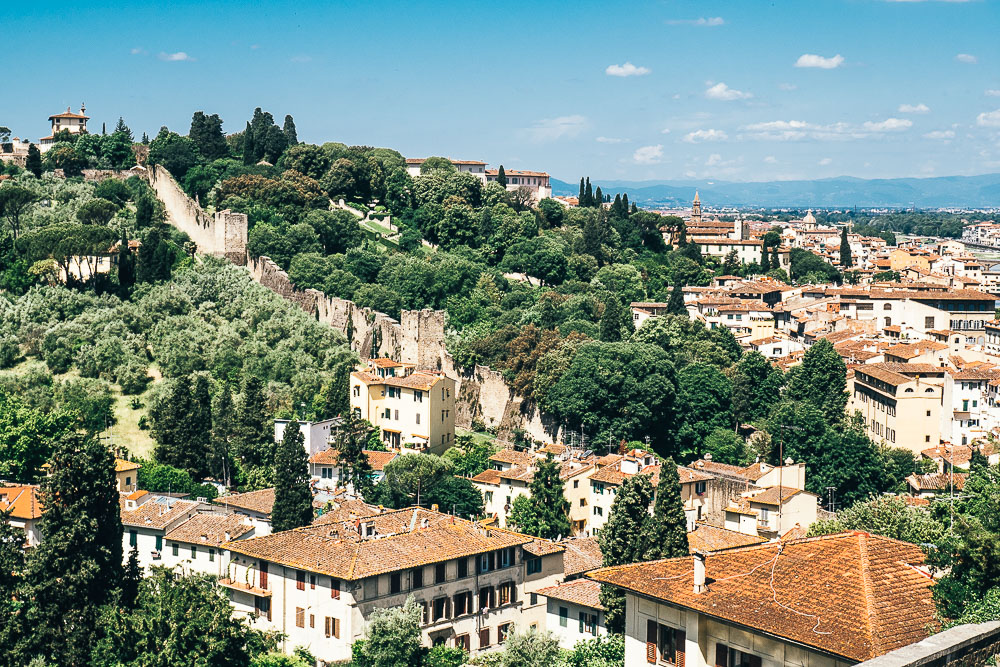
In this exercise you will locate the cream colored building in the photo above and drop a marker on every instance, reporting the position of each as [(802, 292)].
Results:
[(126, 475), (146, 525), (74, 123), (25, 509), (574, 611), (413, 410), (830, 601), (903, 405), (759, 511), (195, 545), (318, 585)]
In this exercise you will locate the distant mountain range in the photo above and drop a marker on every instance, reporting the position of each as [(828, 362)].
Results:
[(840, 192)]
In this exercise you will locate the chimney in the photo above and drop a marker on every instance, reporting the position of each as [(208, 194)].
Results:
[(699, 572), (708, 456), (227, 535)]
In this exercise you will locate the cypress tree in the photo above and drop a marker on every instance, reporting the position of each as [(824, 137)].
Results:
[(667, 528), (249, 150), (635, 209), (583, 193), (502, 177), (821, 379), (545, 511), (34, 161), (623, 541), (253, 430), (78, 565), (598, 197), (292, 496), (775, 262), (611, 321), (145, 139), (846, 260), (291, 136), (350, 441), (12, 559), (675, 306), (199, 426), (169, 424), (616, 207), (731, 264), (126, 265), (588, 194), (625, 203), (223, 419), (132, 578), (765, 260)]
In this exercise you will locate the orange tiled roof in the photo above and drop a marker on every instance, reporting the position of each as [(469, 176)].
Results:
[(937, 481), (583, 592), (210, 529), (21, 501), (707, 538), (158, 513), (403, 539), (377, 460), (852, 594), (513, 457), (254, 501), (121, 465), (582, 555)]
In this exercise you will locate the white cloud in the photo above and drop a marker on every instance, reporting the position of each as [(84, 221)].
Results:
[(138, 52), (812, 60), (993, 92), (665, 130), (967, 58), (770, 159), (787, 86), (721, 91), (704, 21), (180, 56), (940, 134), (705, 135), (888, 125), (913, 108), (551, 129), (611, 140), (628, 69), (825, 161), (989, 119), (648, 154)]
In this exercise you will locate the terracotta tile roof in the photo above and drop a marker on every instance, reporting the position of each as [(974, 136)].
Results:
[(583, 592), (417, 380), (377, 460), (69, 114), (339, 550), (852, 594), (159, 512), (553, 449), (796, 532), (610, 475), (22, 502), (260, 502), (937, 481), (608, 459), (749, 473), (539, 547), (708, 538), (911, 350), (953, 454), (515, 172), (513, 457), (488, 476), (769, 496), (121, 465), (347, 510), (210, 529), (582, 555)]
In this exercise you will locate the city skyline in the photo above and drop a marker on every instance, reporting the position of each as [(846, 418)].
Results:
[(668, 90)]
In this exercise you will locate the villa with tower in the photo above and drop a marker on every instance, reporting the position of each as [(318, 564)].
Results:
[(717, 238)]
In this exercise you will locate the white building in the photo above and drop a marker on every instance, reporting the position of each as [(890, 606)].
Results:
[(74, 123), (317, 435), (146, 525), (574, 611)]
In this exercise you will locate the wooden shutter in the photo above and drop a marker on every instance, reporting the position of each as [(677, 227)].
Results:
[(312, 620), (327, 630), (263, 576), (336, 628), (335, 588), (300, 580), (721, 655), (300, 617), (679, 637), (484, 638), (651, 630)]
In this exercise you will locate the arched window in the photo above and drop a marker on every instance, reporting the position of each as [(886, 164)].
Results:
[(887, 306), (909, 390), (888, 321), (929, 390)]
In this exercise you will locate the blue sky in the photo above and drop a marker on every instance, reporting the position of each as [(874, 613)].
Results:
[(740, 90)]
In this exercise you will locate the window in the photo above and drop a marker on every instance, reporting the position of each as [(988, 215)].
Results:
[(128, 481), (263, 576), (300, 617), (506, 558), (417, 578), (357, 390), (300, 580), (699, 488), (396, 414), (312, 582), (563, 617), (211, 555), (502, 632), (331, 627), (159, 542), (508, 593), (262, 606), (395, 584), (588, 623), (418, 417), (576, 484), (534, 565), (929, 322), (463, 603), (463, 568), (887, 306), (739, 658), (440, 609), (927, 438), (312, 621), (387, 413), (194, 552), (484, 638), (418, 396), (598, 511), (133, 538), (487, 597), (534, 599), (439, 573), (335, 589), (463, 642)]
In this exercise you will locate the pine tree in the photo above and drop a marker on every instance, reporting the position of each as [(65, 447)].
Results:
[(583, 193), (292, 496), (846, 260), (34, 161), (623, 541), (253, 430), (667, 529), (502, 177), (350, 442), (675, 306), (77, 567), (545, 511), (249, 149), (122, 128), (132, 579), (291, 136), (145, 139)]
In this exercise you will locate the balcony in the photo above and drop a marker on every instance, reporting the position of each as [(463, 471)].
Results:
[(244, 588)]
